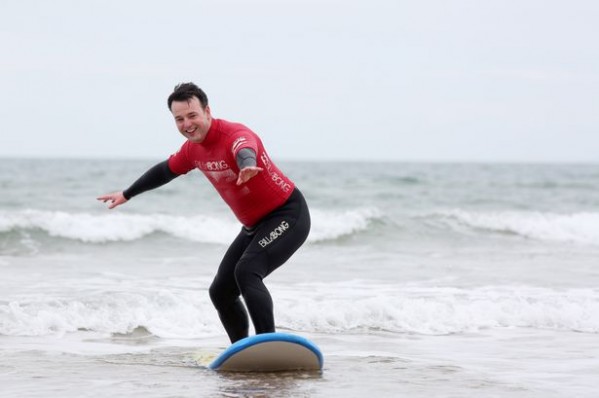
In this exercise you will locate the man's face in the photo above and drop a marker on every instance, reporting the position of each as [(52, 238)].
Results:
[(193, 121)]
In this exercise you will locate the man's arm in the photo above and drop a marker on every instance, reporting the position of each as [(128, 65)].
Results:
[(246, 161), (155, 177)]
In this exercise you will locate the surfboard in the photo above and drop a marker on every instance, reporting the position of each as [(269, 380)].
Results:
[(270, 352)]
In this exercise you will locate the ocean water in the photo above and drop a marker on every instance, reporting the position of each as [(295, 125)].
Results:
[(419, 280)]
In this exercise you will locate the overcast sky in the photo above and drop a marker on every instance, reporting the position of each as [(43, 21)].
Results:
[(431, 80)]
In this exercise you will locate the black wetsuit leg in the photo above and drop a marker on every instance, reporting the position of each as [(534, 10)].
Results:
[(252, 256)]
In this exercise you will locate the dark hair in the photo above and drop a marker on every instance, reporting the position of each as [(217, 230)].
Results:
[(185, 92)]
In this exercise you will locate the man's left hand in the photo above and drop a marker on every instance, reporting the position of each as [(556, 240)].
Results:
[(246, 173)]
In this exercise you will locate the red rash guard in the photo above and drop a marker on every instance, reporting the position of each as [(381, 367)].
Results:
[(216, 158)]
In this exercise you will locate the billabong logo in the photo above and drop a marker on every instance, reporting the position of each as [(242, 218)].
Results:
[(274, 234), (266, 160), (276, 178), (280, 182), (216, 165)]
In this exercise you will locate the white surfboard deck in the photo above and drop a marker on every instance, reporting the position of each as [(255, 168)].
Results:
[(269, 352)]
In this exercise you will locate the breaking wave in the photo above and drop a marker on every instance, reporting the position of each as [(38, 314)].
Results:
[(324, 308), (581, 228), (115, 227)]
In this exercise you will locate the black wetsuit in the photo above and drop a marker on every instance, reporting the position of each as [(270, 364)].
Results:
[(252, 256)]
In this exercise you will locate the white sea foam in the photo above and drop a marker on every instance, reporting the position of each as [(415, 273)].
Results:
[(164, 313), (93, 228), (117, 227), (582, 228), (446, 310), (324, 308), (330, 225)]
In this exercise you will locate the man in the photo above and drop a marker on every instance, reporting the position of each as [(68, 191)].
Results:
[(274, 214)]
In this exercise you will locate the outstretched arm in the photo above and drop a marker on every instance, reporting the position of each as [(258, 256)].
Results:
[(155, 177), (246, 160)]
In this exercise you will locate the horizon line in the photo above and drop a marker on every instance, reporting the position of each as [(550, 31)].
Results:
[(321, 160)]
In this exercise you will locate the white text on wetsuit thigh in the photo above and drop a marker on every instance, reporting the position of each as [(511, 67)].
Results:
[(274, 234)]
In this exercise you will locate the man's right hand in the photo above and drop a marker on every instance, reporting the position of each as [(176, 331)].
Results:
[(115, 199)]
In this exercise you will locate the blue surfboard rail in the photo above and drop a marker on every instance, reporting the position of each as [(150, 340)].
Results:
[(262, 338)]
